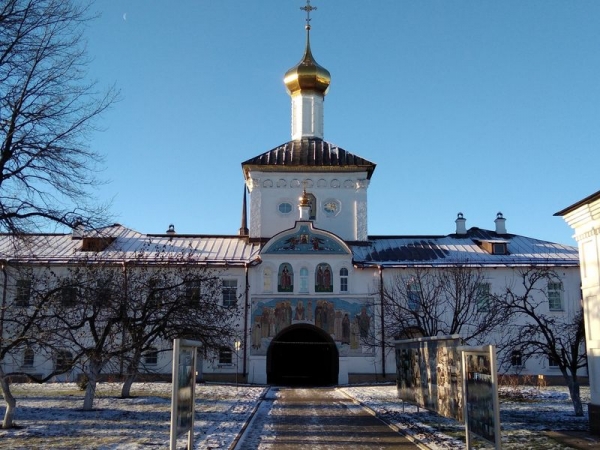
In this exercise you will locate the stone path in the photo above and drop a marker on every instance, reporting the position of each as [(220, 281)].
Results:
[(317, 418)]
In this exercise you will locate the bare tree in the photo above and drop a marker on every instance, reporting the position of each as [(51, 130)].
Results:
[(174, 299), (48, 108), (27, 339), (537, 332), (89, 320), (439, 301)]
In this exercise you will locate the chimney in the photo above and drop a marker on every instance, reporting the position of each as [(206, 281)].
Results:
[(461, 224), (500, 224), (78, 230), (171, 229)]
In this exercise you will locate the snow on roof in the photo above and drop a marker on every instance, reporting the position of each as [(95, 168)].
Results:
[(123, 244), (390, 251)]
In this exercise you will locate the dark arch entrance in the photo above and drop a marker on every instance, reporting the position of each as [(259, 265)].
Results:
[(302, 354)]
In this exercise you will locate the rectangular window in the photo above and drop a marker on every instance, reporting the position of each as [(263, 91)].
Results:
[(414, 297), (155, 294), (23, 293), (225, 355), (344, 284), (516, 358), (304, 279), (151, 357), (499, 248), (344, 280), (192, 292), (28, 357), (483, 297), (68, 296), (552, 363), (64, 361), (555, 302), (103, 293), (229, 292)]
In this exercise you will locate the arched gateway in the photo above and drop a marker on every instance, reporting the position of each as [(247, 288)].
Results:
[(302, 354)]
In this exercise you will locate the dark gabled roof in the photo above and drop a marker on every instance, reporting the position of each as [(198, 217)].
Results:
[(309, 153)]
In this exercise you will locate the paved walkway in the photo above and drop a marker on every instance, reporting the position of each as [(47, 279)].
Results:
[(318, 418)]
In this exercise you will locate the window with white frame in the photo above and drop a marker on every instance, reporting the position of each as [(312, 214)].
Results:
[(304, 279), (229, 292), (552, 362), (516, 358), (483, 297), (343, 279), (151, 357), (23, 292), (555, 296), (64, 361), (413, 297), (28, 357), (225, 355)]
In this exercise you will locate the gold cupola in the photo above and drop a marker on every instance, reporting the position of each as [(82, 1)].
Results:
[(307, 75), (307, 83)]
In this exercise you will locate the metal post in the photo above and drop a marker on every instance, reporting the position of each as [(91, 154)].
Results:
[(237, 346)]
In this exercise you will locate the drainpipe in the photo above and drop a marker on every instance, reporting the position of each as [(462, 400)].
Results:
[(123, 312), (4, 287), (246, 307), (382, 321)]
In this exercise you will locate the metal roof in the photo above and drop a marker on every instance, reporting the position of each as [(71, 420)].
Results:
[(309, 153), (130, 245), (124, 244), (465, 249)]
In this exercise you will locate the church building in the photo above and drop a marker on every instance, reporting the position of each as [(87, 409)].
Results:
[(303, 269)]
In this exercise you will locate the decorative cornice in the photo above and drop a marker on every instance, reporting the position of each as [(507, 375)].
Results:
[(587, 234)]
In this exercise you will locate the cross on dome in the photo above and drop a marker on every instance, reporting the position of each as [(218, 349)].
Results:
[(308, 8)]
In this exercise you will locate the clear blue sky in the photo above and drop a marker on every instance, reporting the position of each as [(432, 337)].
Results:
[(471, 106)]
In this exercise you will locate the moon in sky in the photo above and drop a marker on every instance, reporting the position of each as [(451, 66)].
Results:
[(124, 16)]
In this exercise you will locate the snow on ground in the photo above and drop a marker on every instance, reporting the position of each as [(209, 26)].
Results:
[(49, 417), (525, 413)]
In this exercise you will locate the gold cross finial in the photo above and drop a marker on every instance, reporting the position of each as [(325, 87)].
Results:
[(308, 8)]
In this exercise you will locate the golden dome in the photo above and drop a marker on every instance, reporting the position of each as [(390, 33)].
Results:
[(307, 75)]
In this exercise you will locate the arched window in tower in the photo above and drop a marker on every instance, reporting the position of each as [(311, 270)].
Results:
[(304, 279), (312, 201), (323, 278), (268, 280), (285, 278), (343, 279)]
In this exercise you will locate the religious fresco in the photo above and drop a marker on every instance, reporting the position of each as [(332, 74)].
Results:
[(323, 278), (285, 278), (347, 321), (306, 240)]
